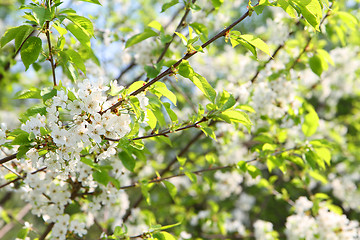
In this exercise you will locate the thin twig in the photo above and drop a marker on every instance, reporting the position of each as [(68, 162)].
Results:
[(165, 132), (51, 59)]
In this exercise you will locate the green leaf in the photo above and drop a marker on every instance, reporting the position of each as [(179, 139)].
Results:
[(22, 234), (144, 185), (42, 14), (246, 108), (324, 154), (127, 160), (10, 176), (23, 34), (217, 3), (253, 170), (163, 236), (136, 85), (30, 51), (91, 1), (311, 122), (312, 159), (185, 69), (209, 132), (161, 88), (316, 65), (287, 8), (101, 177), (169, 5), (238, 116), (83, 23), (22, 150), (11, 34), (156, 25), (191, 176), (151, 72), (76, 59), (151, 119), (229, 103), (201, 30), (140, 37), (21, 139), (80, 34), (317, 176), (171, 188), (29, 93), (204, 86), (62, 31), (170, 112), (311, 10), (49, 94), (256, 42), (181, 160), (183, 38)]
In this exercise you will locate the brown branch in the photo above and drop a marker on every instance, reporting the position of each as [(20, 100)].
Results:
[(18, 178), (165, 132), (179, 26), (8, 158), (51, 59), (47, 231)]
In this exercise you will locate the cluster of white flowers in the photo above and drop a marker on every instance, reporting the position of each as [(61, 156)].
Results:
[(263, 230), (273, 98), (345, 187), (87, 125), (228, 183), (76, 121), (325, 225), (239, 218)]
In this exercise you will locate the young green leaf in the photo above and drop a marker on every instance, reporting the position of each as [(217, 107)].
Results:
[(140, 37), (311, 122), (171, 188), (30, 51), (169, 5), (256, 42), (127, 160), (204, 86), (311, 10), (80, 34), (91, 1), (163, 236), (76, 59), (83, 23)]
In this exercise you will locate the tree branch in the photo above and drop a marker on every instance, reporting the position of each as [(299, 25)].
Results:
[(51, 59), (170, 164), (165, 132), (187, 56)]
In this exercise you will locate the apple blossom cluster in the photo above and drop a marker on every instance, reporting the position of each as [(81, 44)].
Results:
[(76, 123), (345, 187), (264, 230), (324, 225)]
